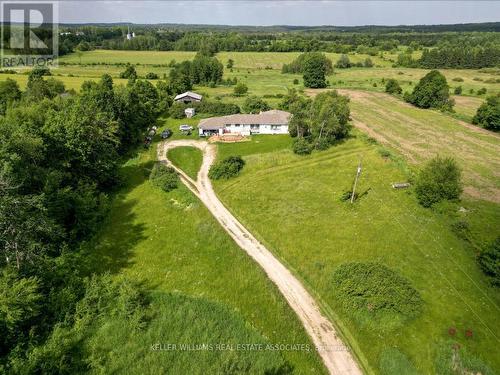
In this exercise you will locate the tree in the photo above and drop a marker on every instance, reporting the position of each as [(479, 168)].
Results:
[(488, 114), (230, 64), (314, 70), (343, 62), (240, 89), (129, 73), (9, 93), (457, 90), (254, 104), (489, 260), (432, 91), (329, 117), (439, 180), (392, 87), (301, 147)]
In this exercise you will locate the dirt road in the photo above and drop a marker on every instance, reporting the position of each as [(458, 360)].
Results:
[(335, 355)]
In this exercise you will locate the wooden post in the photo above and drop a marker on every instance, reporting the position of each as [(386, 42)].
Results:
[(358, 172)]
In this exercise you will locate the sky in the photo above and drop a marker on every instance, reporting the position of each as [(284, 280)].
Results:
[(265, 13)]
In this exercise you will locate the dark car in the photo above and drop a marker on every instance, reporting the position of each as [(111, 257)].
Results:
[(166, 133)]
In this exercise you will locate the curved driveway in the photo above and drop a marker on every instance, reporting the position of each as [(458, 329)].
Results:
[(335, 355)]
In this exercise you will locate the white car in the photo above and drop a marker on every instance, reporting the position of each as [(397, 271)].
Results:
[(185, 128)]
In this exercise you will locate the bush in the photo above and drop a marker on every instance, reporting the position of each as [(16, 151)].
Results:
[(129, 73), (301, 146), (227, 168), (481, 91), (373, 293), (151, 75), (458, 79), (439, 180), (392, 87), (432, 91), (240, 89), (457, 90), (295, 81), (488, 114), (343, 62), (489, 261), (164, 177)]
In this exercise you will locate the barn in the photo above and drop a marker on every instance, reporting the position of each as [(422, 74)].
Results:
[(188, 97), (268, 122)]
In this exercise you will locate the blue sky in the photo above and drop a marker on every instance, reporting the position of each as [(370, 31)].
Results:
[(260, 13)]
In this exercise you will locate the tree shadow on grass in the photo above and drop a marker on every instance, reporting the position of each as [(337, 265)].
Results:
[(111, 250)]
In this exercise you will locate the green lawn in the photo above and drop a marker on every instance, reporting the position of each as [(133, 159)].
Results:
[(169, 242), (186, 158), (293, 205)]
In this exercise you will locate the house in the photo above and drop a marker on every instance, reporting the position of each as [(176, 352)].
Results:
[(189, 112), (188, 97), (269, 122)]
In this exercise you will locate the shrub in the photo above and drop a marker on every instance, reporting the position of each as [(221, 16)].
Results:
[(343, 62), (322, 144), (489, 261), (439, 180), (368, 63), (164, 177), (457, 90), (295, 81), (488, 114), (227, 168), (392, 87), (301, 146), (240, 89), (432, 91), (481, 91), (458, 79), (374, 294), (129, 73), (151, 75)]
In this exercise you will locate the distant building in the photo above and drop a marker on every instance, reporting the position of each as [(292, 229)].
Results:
[(189, 112), (130, 35), (269, 122), (188, 97)]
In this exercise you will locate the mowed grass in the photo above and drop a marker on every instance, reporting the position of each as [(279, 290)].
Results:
[(293, 205), (186, 158), (123, 57), (169, 242), (421, 134)]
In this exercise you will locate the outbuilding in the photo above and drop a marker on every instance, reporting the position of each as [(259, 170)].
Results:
[(188, 97)]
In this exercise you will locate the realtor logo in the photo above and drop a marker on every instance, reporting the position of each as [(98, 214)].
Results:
[(29, 34)]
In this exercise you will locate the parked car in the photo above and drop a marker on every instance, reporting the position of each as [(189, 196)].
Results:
[(185, 128), (154, 127), (166, 133)]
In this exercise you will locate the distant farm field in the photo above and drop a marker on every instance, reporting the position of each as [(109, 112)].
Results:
[(421, 134), (293, 204)]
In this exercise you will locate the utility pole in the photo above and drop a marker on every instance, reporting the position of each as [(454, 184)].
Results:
[(356, 181)]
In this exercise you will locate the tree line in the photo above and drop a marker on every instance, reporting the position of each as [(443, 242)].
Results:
[(59, 165)]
